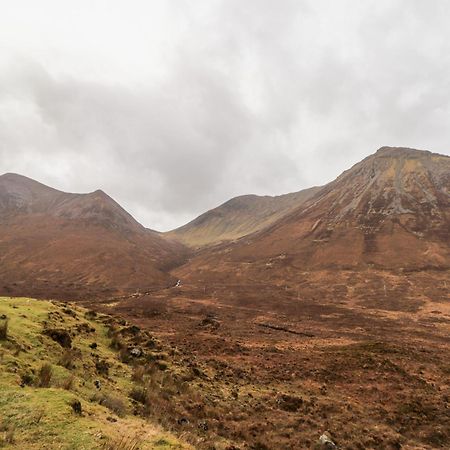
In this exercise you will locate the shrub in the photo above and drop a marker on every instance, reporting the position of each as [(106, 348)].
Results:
[(38, 415), (67, 384), (138, 374), (116, 342), (76, 406), (90, 314), (102, 367), (68, 358), (139, 394), (3, 329), (113, 403), (8, 437), (26, 379), (45, 375)]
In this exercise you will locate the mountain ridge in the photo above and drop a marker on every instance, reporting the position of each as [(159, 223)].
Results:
[(65, 245), (391, 210), (21, 194), (238, 217)]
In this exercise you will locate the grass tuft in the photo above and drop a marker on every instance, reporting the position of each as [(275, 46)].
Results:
[(123, 443), (3, 329), (45, 375)]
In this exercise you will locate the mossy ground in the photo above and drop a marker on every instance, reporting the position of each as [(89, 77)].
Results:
[(34, 417)]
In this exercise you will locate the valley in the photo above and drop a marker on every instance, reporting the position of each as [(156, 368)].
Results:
[(274, 321)]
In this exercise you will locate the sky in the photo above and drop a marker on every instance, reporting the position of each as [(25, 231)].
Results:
[(173, 107)]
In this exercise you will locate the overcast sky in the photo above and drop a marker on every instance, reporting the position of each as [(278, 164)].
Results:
[(173, 107)]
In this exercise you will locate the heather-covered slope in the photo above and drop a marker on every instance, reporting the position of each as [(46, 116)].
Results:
[(239, 217), (71, 245), (391, 210)]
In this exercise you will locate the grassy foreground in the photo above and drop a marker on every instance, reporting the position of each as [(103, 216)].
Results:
[(63, 385)]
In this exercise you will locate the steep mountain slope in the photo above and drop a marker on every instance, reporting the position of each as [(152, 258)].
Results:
[(391, 210), (22, 195), (239, 217), (68, 245)]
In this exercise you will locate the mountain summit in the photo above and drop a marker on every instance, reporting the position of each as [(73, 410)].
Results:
[(391, 210), (67, 245), (22, 195)]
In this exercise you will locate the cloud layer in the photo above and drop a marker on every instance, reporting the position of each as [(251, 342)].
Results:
[(173, 107)]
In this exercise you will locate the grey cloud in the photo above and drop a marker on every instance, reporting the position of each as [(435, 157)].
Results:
[(258, 97)]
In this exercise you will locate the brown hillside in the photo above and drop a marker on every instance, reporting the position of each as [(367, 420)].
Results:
[(69, 245), (391, 210), (239, 217)]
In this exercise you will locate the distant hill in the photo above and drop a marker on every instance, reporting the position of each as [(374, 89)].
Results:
[(239, 217), (59, 244)]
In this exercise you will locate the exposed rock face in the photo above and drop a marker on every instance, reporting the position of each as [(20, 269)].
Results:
[(326, 442), (394, 182)]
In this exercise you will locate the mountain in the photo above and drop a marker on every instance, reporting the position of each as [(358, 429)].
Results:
[(58, 244), (391, 210), (20, 195), (239, 217)]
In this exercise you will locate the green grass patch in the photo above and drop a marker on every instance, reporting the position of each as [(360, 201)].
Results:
[(36, 414)]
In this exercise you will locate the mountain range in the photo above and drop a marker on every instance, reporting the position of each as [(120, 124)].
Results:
[(390, 211)]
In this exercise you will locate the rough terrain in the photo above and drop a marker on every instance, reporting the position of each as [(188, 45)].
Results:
[(282, 327)]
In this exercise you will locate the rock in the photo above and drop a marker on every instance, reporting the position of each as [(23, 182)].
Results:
[(93, 345), (136, 352), (326, 442)]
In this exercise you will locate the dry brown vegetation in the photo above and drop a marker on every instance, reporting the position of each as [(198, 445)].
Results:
[(3, 329), (365, 363), (45, 374)]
